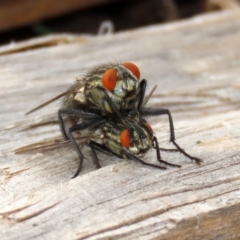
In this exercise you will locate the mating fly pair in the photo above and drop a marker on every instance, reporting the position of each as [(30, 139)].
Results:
[(108, 103)]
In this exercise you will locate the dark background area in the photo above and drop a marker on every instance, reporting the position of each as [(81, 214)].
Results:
[(124, 14)]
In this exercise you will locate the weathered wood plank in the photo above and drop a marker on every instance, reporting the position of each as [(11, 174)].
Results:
[(196, 64), (17, 13)]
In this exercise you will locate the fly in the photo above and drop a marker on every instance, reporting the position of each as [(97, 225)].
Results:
[(109, 97), (105, 90), (112, 138)]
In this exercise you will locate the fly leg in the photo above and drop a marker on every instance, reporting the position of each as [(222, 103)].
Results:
[(161, 111), (84, 125), (132, 157), (159, 156), (71, 113), (167, 149), (104, 149), (142, 87), (92, 147), (101, 148), (61, 123), (140, 101), (142, 90)]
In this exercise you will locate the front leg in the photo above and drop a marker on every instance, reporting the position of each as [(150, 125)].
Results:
[(72, 113), (82, 126), (159, 156), (162, 111)]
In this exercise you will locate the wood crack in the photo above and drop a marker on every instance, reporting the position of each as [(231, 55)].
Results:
[(35, 214), (148, 215)]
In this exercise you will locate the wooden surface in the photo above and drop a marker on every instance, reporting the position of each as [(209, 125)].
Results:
[(15, 13), (196, 64)]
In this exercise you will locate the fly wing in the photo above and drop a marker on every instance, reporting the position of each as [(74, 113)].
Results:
[(56, 143), (50, 144), (43, 146), (73, 89), (48, 102), (148, 96)]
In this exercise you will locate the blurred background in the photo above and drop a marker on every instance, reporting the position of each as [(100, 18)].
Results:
[(23, 19)]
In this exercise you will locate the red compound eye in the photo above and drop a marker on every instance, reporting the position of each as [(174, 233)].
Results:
[(125, 138), (133, 68), (109, 79)]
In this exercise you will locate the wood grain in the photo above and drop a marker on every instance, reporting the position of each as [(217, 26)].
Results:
[(196, 65)]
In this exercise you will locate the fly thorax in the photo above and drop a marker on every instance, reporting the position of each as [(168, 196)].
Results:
[(111, 131), (111, 138), (97, 96), (80, 96), (98, 136), (118, 101)]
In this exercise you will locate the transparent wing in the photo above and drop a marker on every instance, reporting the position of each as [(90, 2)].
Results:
[(148, 96), (48, 102), (52, 144)]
